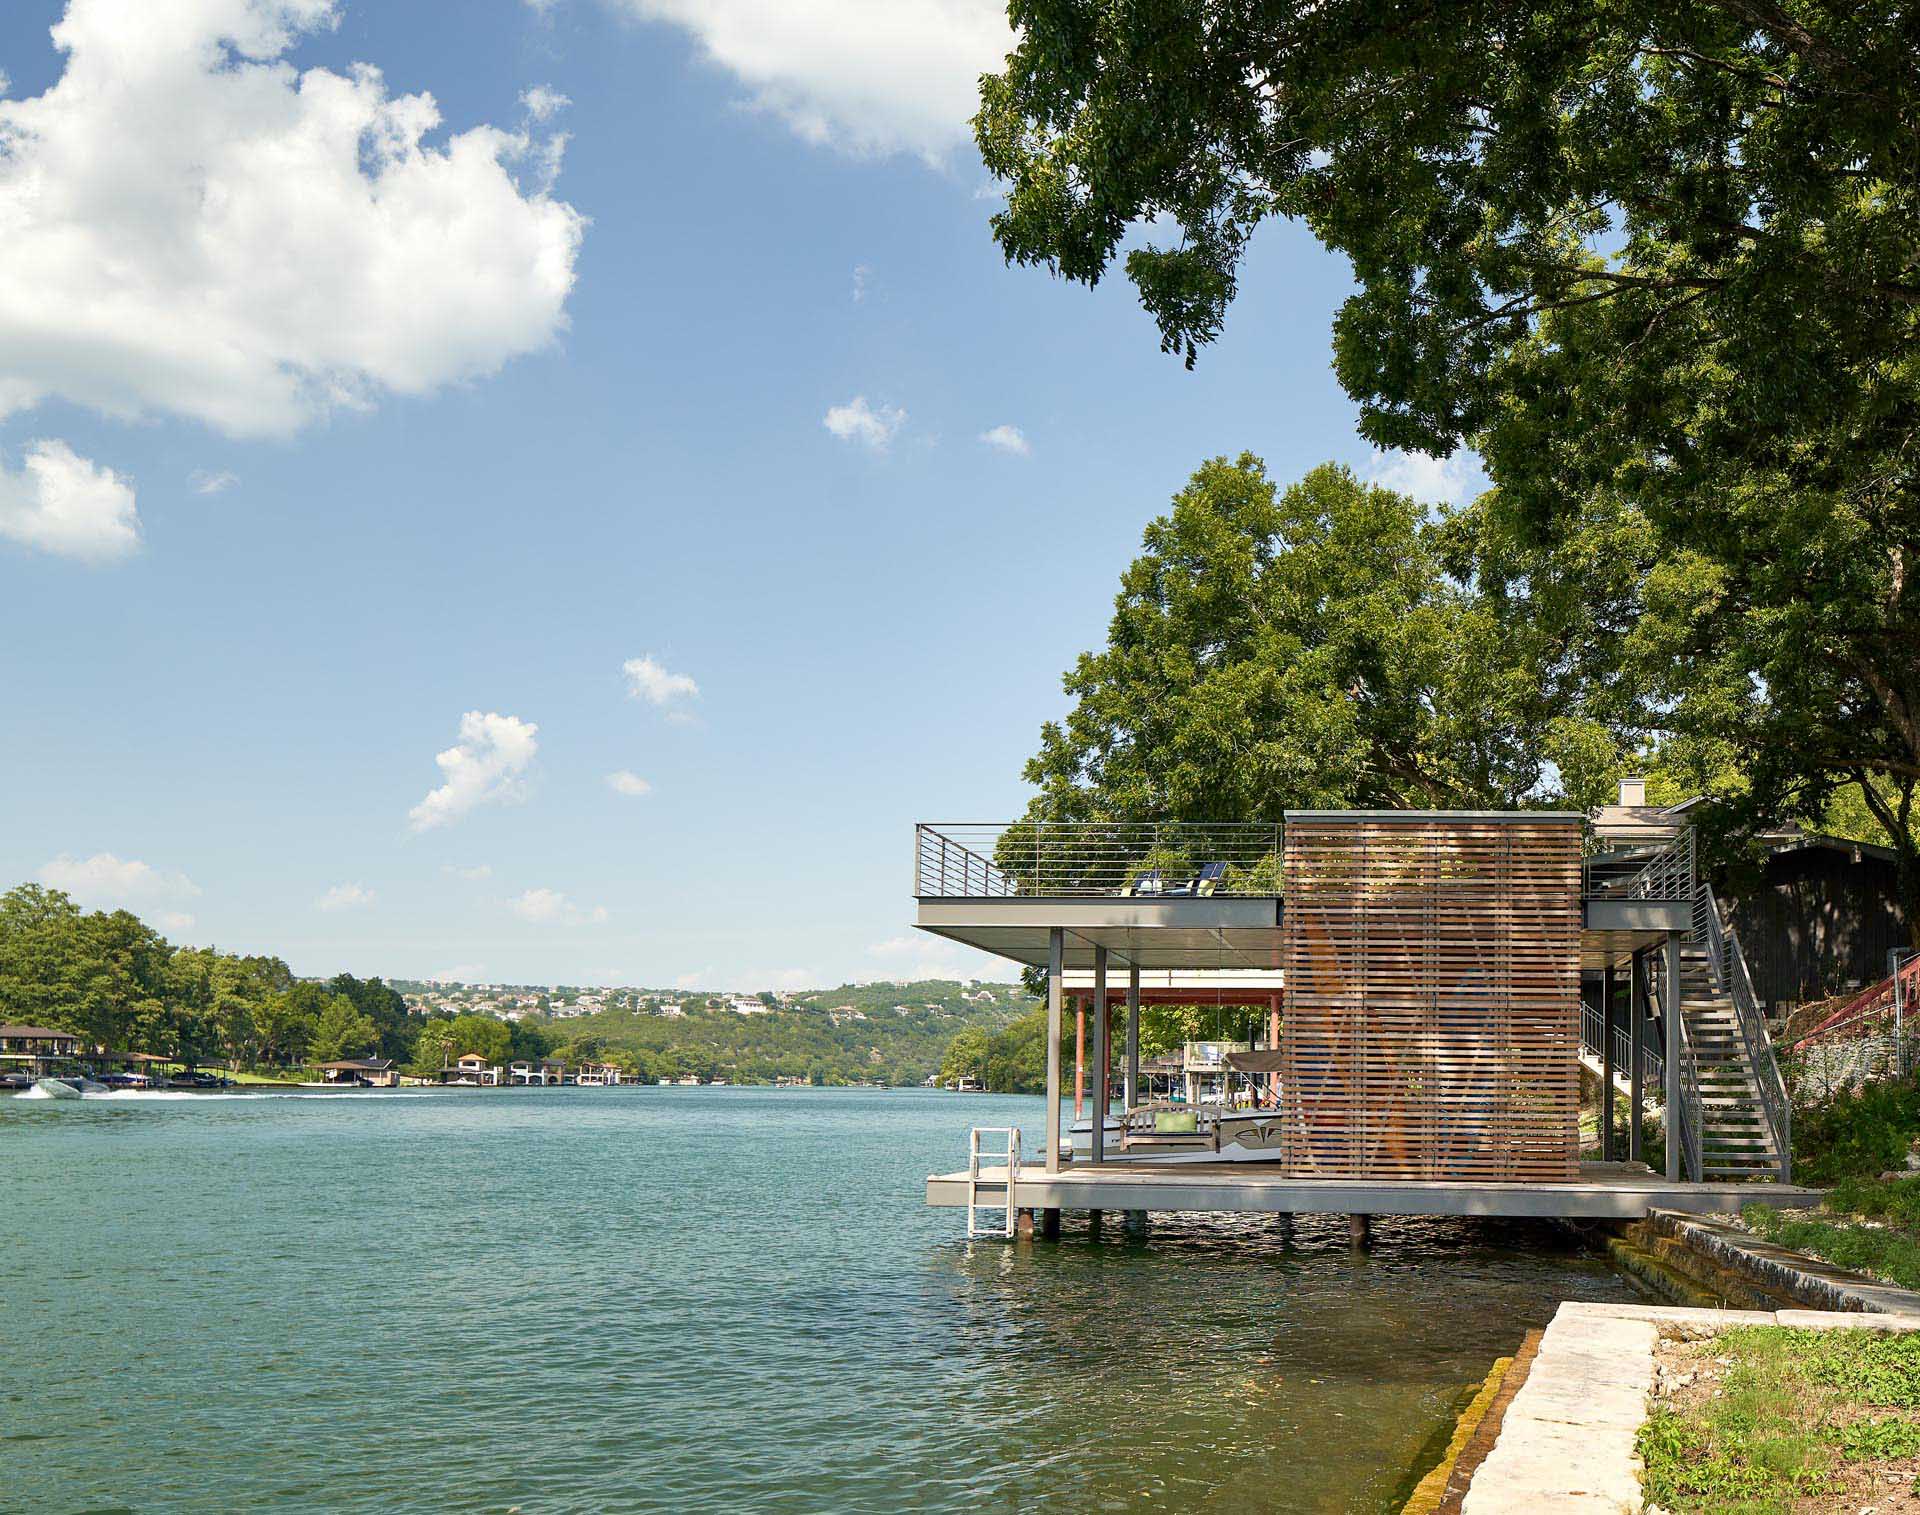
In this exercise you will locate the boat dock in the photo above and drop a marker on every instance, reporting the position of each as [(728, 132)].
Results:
[(1602, 1191), (1428, 977)]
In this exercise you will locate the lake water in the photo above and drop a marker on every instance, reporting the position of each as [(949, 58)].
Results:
[(689, 1299)]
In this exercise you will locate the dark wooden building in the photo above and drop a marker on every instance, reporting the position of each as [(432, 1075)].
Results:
[(1816, 918)]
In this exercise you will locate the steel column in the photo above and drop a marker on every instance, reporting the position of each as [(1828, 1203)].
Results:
[(1606, 1063), (1670, 1011), (1056, 948), (1636, 1051), (1097, 1127), (1132, 1089)]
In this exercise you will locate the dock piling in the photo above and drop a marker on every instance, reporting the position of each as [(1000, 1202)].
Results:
[(1360, 1232)]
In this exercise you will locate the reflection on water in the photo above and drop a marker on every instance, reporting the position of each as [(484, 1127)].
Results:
[(666, 1299)]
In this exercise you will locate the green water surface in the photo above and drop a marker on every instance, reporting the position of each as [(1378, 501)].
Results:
[(689, 1299)]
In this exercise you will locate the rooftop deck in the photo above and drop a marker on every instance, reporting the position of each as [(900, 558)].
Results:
[(1212, 895), (1603, 1191)]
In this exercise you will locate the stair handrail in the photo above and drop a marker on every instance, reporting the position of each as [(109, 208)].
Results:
[(1691, 1116), (1732, 978), (1592, 1033)]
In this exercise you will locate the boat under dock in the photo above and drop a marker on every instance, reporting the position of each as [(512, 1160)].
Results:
[(1603, 1191)]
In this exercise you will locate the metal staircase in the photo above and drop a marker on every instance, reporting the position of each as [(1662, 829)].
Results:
[(1736, 1121)]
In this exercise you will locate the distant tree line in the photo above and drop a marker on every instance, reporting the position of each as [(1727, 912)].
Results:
[(114, 981)]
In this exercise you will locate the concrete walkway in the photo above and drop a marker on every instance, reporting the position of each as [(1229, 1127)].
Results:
[(1567, 1442)]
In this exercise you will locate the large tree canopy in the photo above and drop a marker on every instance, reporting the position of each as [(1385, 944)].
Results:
[(1658, 257), (1279, 649)]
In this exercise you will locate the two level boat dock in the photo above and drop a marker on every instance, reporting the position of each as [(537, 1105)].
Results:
[(1438, 971)]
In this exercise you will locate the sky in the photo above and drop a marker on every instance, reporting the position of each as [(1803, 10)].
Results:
[(550, 491)]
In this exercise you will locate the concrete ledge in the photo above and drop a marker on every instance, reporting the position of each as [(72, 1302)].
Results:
[(1785, 1273), (1567, 1442)]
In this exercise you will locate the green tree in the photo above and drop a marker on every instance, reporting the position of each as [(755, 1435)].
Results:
[(433, 1048), (342, 1031), (1301, 648), (1653, 259), (483, 1034)]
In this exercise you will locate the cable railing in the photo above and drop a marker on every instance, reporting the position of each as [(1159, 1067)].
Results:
[(1068, 859), (1663, 873)]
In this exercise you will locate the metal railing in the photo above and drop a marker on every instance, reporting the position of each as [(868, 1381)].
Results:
[(1690, 1117), (1643, 873), (1729, 966), (1064, 859), (1653, 1066)]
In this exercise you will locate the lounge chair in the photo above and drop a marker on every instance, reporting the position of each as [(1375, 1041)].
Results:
[(1202, 883), (1148, 883)]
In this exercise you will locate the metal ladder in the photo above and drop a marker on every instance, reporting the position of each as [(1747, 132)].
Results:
[(1004, 1200)]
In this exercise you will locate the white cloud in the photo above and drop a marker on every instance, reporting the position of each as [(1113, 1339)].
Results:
[(864, 76), (704, 977), (205, 482), (546, 907), (461, 973), (346, 897), (862, 277), (911, 958), (472, 875), (485, 765), (626, 781), (61, 503), (104, 881), (1433, 481), (189, 224), (648, 680), (857, 421), (1008, 439), (174, 920), (543, 103)]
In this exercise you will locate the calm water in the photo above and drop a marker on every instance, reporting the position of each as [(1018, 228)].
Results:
[(664, 1299)]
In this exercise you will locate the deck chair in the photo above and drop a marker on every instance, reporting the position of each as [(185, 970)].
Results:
[(1148, 883), (1202, 883)]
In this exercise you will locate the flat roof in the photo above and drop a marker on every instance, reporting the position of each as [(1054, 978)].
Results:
[(1222, 933), (1478, 817)]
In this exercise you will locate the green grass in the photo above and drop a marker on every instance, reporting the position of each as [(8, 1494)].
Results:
[(1886, 1251), (1786, 1418)]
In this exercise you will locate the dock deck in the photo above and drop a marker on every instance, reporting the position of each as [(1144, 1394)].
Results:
[(1604, 1191)]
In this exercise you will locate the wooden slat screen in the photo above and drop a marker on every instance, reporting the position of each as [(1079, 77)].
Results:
[(1433, 986)]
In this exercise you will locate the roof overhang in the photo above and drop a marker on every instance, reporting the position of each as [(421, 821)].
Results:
[(1236, 931)]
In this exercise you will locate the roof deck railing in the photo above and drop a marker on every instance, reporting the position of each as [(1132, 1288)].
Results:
[(1091, 859), (1086, 859)]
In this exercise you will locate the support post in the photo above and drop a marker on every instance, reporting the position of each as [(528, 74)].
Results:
[(1097, 1128), (1056, 946), (1131, 1092), (1636, 1051), (1273, 1042), (1670, 1013), (1079, 1054), (1606, 1063), (1360, 1231), (1136, 1225), (1050, 1225)]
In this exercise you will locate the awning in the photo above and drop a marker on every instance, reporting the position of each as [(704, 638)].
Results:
[(1262, 1060)]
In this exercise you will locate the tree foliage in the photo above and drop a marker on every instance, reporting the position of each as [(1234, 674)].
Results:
[(1655, 261), (1309, 647), (117, 983)]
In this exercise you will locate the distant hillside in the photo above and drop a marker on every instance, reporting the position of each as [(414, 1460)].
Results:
[(888, 1033)]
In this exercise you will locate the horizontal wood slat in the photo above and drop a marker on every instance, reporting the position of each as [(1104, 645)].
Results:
[(1433, 988)]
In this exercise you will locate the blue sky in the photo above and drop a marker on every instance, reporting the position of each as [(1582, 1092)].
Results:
[(632, 420)]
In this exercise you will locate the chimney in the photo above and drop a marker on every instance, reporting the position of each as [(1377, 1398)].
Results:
[(1633, 789)]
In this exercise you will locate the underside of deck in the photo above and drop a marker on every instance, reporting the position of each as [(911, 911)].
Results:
[(1603, 1191)]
